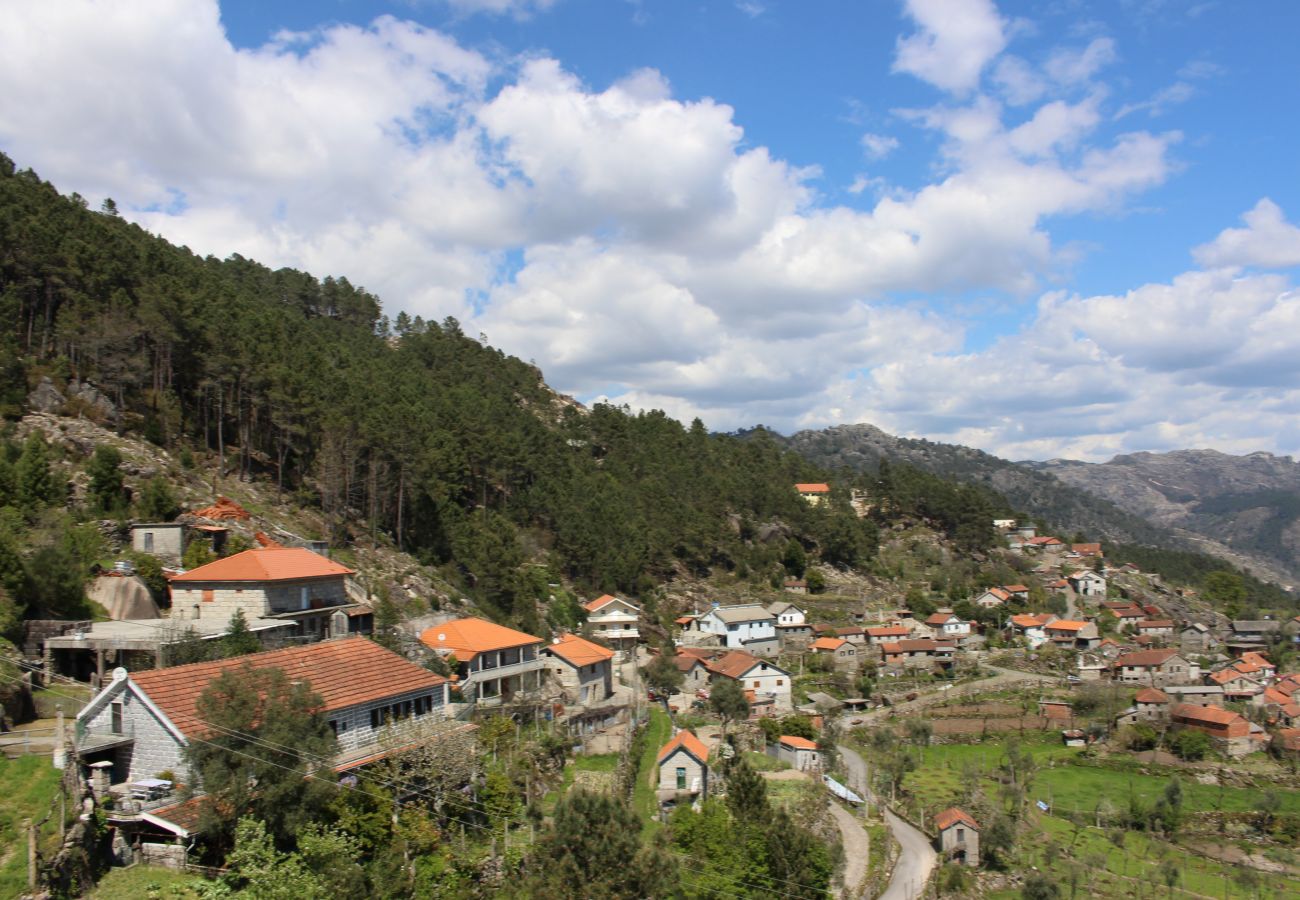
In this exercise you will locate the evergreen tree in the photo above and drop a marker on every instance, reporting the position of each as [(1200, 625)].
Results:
[(662, 675), (35, 487), (238, 640), (727, 698), (105, 470), (157, 502)]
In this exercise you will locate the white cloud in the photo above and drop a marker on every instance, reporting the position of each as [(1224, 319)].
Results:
[(1268, 241), (954, 43), (1161, 101), (1072, 66), (878, 146), (519, 9)]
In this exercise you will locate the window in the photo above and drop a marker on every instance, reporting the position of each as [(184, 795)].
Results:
[(681, 778), (756, 684), (780, 681), (207, 596), (961, 835), (148, 542), (116, 714)]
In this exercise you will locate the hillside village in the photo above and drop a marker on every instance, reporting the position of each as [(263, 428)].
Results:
[(821, 667)]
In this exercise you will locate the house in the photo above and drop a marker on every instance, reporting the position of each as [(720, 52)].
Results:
[(1159, 630), (1017, 592), (1004, 524), (1196, 638), (683, 766), (1086, 550), (1044, 542), (854, 634), (1150, 705), (792, 629), (880, 634), (959, 837), (288, 583), (769, 682), (494, 664), (915, 654), (165, 540), (1251, 634), (1126, 617), (947, 624), (1155, 667), (794, 586), (695, 672), (1032, 627), (992, 598), (800, 753), (1087, 583), (1090, 666), (1236, 686), (614, 621), (749, 627), (814, 494), (1072, 635), (1196, 694), (583, 669), (842, 653), (1230, 730), (141, 722)]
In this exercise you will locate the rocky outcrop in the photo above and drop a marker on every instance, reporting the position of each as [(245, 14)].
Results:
[(45, 397)]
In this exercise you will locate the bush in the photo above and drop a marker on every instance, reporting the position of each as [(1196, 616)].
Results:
[(1190, 745)]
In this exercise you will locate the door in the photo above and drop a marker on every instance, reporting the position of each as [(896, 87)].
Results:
[(681, 778)]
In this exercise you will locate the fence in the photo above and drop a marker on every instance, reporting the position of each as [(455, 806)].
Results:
[(23, 743)]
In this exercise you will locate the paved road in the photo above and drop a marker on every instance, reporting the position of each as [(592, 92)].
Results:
[(857, 847), (917, 858)]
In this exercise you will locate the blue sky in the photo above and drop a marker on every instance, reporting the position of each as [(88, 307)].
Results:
[(1043, 229)]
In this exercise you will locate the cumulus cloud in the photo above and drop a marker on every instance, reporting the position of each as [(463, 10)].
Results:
[(953, 43), (1268, 241), (878, 146)]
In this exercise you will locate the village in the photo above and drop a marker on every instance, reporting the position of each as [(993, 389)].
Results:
[(821, 707)]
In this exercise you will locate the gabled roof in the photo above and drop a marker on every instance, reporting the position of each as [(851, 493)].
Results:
[(467, 638), (1151, 695), (1156, 623), (1086, 548), (749, 612), (685, 663), (738, 663), (798, 743), (266, 564), (1026, 620), (884, 631), (1066, 625), (688, 742), (577, 651), (941, 618), (813, 488), (952, 816), (849, 629), (827, 643), (346, 672), (1015, 588), (1229, 675), (782, 606), (1146, 658), (604, 600), (1208, 714)]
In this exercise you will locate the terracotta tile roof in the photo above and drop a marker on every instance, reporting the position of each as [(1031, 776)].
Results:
[(921, 645), (467, 638), (1289, 738), (827, 643), (688, 742), (224, 508), (1212, 715), (1086, 548), (940, 618), (1146, 658), (345, 672), (1228, 675), (813, 488), (736, 663), (1151, 695), (266, 564), (684, 620), (1066, 625), (1156, 623), (798, 743), (950, 817), (577, 651), (1015, 588), (603, 599), (686, 663), (849, 629), (697, 652), (1131, 612), (888, 631), (182, 818), (1025, 620)]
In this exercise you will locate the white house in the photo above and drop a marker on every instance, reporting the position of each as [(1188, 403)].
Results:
[(787, 614), (141, 722), (1032, 627), (614, 620), (992, 598), (750, 627), (583, 669), (814, 494), (948, 625), (1087, 583), (683, 766), (493, 663), (767, 681)]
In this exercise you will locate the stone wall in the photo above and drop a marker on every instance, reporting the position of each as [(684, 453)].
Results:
[(153, 749)]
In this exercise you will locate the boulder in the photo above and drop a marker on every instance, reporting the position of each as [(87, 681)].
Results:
[(46, 397)]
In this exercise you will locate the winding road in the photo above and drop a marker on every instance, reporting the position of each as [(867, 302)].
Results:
[(917, 858)]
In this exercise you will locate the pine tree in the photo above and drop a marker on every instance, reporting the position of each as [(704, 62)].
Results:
[(157, 503), (34, 485), (105, 470), (238, 640)]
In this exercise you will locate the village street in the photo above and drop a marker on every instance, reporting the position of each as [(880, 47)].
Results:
[(857, 846), (916, 859)]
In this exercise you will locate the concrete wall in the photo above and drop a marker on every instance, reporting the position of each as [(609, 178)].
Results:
[(950, 843), (154, 749), (587, 684)]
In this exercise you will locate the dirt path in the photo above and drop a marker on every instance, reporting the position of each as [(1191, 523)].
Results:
[(1003, 678), (857, 848)]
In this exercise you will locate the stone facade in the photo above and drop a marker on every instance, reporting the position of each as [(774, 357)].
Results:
[(220, 599), (680, 771), (163, 540), (583, 685)]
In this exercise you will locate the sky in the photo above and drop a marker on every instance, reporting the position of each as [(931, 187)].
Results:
[(1044, 229)]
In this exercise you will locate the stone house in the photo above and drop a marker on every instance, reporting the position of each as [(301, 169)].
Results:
[(1196, 694), (854, 634), (584, 670), (1087, 583), (1196, 638), (288, 583), (141, 722), (1229, 730), (879, 634), (165, 540), (793, 630), (494, 664), (1072, 635), (959, 837), (814, 494), (842, 653), (695, 672), (1150, 705), (683, 766), (1157, 668), (1159, 630), (614, 621), (768, 681)]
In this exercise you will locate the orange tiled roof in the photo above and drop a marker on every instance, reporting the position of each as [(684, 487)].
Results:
[(602, 600), (1288, 738), (939, 618), (811, 488), (1211, 714), (688, 742), (577, 651), (1025, 620), (827, 643), (1015, 588), (1066, 625), (1151, 695), (950, 817), (467, 638), (736, 663), (888, 631), (345, 672), (798, 743), (1228, 675), (266, 564)]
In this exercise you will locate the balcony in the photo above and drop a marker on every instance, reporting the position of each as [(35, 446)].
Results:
[(481, 675)]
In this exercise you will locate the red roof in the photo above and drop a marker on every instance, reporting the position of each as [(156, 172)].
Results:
[(798, 743), (467, 638), (345, 672), (736, 663), (266, 564), (888, 631), (1015, 588), (578, 651), (593, 605), (940, 618), (950, 817), (827, 643), (1211, 715), (688, 742), (1151, 695), (1066, 625), (813, 488)]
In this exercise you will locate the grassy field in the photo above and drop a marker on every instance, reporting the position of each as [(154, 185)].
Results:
[(146, 883), (643, 796), (761, 762), (28, 786)]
